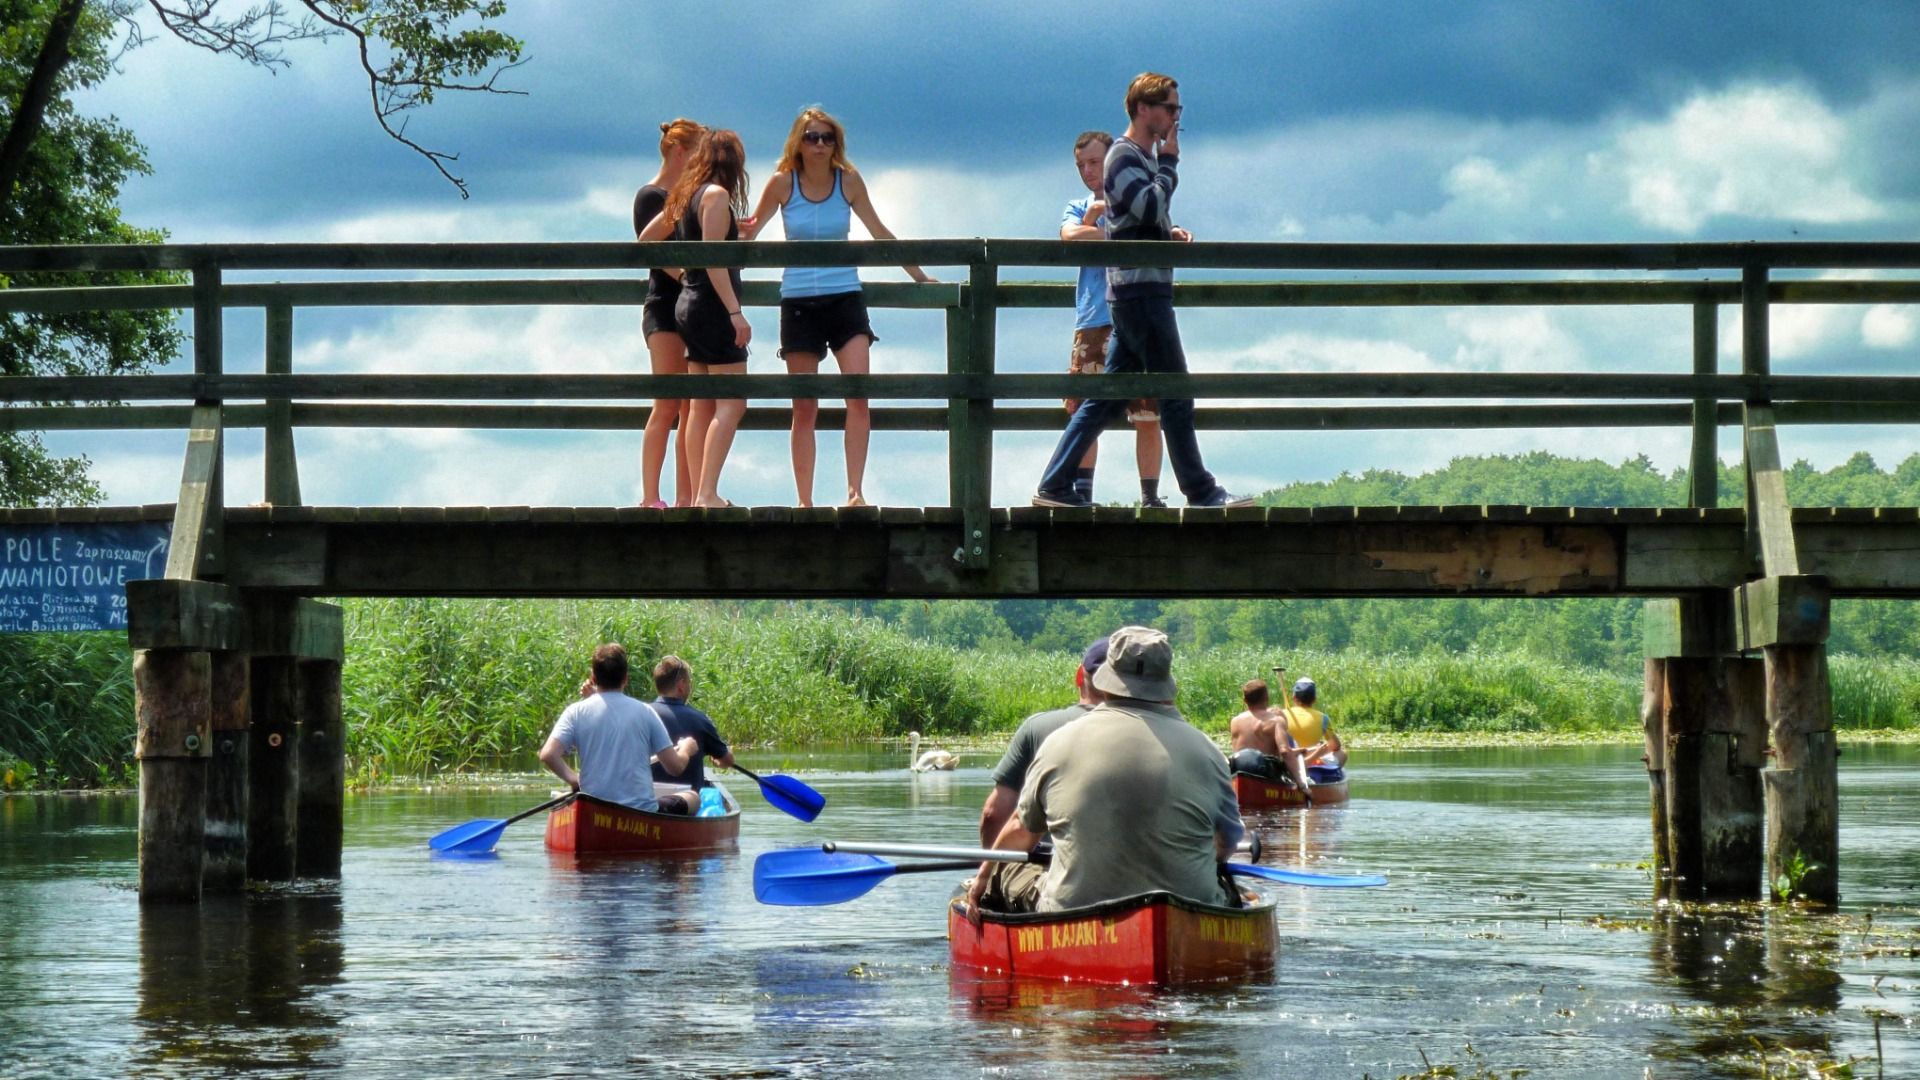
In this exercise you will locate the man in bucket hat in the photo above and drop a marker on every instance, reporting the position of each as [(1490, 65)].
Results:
[(1135, 799)]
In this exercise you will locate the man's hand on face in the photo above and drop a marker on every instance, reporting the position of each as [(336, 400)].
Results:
[(1171, 144)]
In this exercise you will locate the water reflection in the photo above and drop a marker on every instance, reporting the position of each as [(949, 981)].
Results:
[(232, 984), (1746, 970)]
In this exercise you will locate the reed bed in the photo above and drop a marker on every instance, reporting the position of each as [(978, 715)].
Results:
[(435, 686)]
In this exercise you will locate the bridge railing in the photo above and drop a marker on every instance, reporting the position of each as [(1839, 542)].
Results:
[(965, 397)]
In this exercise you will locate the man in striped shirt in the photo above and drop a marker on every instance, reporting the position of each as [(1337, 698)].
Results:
[(1141, 173)]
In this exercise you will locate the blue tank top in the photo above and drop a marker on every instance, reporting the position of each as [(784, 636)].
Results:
[(829, 219)]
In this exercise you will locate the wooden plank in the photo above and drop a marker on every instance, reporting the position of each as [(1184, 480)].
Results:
[(1703, 462), (273, 769), (282, 487), (1781, 611), (1717, 255), (931, 561), (1803, 787), (296, 627), (224, 866), (970, 442), (1652, 713), (1769, 520), (170, 613), (195, 548), (1714, 801), (172, 721), (320, 814)]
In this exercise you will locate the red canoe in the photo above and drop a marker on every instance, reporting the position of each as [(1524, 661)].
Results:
[(1259, 793), (590, 826), (1153, 939)]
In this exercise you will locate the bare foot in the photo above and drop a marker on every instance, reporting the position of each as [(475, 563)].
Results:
[(854, 498)]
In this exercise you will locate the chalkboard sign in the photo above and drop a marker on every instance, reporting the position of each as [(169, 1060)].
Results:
[(74, 577)]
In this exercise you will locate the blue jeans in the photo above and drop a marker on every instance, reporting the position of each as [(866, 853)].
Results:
[(1145, 339)]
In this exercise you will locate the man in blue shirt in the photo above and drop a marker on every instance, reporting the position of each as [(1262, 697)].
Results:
[(1093, 323), (673, 679)]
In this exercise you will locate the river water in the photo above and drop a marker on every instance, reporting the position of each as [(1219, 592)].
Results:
[(1517, 933)]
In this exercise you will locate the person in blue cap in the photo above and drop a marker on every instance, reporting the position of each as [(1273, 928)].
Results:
[(1313, 729)]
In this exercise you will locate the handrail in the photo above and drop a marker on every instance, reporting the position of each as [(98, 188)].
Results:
[(968, 393)]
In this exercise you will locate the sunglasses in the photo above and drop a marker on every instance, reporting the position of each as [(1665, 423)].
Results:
[(1172, 110), (820, 138)]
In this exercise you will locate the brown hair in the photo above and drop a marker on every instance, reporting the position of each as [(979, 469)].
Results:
[(1254, 693), (668, 671), (680, 132), (609, 666), (1148, 88), (719, 160), (790, 153), (1089, 137)]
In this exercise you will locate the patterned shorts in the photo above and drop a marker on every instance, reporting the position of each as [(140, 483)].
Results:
[(1090, 358)]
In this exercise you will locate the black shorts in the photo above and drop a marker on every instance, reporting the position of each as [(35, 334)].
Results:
[(656, 315), (816, 324), (673, 804), (707, 329)]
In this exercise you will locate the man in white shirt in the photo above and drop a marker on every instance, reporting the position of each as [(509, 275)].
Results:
[(614, 736)]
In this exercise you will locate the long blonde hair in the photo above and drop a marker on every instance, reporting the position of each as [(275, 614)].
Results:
[(790, 154)]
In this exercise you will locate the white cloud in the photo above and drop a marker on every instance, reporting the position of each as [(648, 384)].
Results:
[(1480, 180), (1772, 152), (1499, 340), (1885, 326)]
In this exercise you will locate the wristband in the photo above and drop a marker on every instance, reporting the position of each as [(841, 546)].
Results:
[(732, 313)]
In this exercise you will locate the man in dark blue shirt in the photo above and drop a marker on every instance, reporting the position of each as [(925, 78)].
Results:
[(673, 679)]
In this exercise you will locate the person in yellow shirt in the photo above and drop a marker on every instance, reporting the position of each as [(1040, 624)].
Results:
[(1313, 729)]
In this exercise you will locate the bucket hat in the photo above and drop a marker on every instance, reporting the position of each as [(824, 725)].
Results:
[(1139, 665)]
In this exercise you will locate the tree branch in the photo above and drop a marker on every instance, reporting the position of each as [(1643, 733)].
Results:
[(32, 114), (256, 35)]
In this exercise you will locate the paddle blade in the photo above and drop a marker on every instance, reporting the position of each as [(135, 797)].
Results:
[(790, 796), (1304, 877), (473, 838), (809, 877)]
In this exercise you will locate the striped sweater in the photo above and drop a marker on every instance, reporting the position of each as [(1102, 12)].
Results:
[(1139, 191)]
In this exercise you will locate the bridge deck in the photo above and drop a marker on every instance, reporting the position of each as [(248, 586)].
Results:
[(1342, 551)]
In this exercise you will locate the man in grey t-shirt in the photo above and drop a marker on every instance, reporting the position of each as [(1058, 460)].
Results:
[(1135, 798), (614, 736), (1011, 773)]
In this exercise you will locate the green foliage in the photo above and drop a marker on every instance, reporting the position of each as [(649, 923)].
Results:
[(66, 710), (68, 194), (1796, 869)]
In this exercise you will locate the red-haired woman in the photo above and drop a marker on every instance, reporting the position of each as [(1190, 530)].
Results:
[(704, 205), (665, 348), (818, 191)]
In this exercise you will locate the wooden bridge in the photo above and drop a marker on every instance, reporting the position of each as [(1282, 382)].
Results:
[(237, 667)]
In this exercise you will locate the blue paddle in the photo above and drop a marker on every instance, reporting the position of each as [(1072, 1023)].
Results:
[(478, 837), (838, 872), (787, 794)]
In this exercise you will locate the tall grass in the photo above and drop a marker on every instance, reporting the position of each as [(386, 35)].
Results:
[(440, 685)]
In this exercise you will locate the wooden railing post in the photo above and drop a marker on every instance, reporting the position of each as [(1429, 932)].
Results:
[(282, 468), (970, 419), (1703, 467)]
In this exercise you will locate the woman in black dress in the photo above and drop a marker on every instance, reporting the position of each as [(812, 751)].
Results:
[(705, 205)]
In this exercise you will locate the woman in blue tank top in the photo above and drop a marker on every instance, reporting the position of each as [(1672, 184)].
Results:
[(704, 205), (817, 192)]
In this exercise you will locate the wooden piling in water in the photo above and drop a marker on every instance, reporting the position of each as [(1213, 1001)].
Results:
[(323, 770), (1802, 789), (171, 688), (225, 869), (1715, 724), (1652, 709), (273, 769)]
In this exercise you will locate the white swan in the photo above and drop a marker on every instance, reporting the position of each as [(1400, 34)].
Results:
[(931, 761)]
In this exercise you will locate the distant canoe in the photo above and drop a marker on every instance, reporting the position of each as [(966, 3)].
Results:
[(590, 826), (1260, 793), (1153, 939)]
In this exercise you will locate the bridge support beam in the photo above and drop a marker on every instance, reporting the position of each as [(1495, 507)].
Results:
[(273, 750), (225, 870), (171, 709), (323, 771), (1714, 720), (1652, 724)]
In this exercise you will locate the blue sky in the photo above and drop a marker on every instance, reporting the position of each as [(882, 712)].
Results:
[(1310, 121)]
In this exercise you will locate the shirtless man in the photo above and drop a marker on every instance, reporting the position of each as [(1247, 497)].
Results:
[(1262, 745)]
